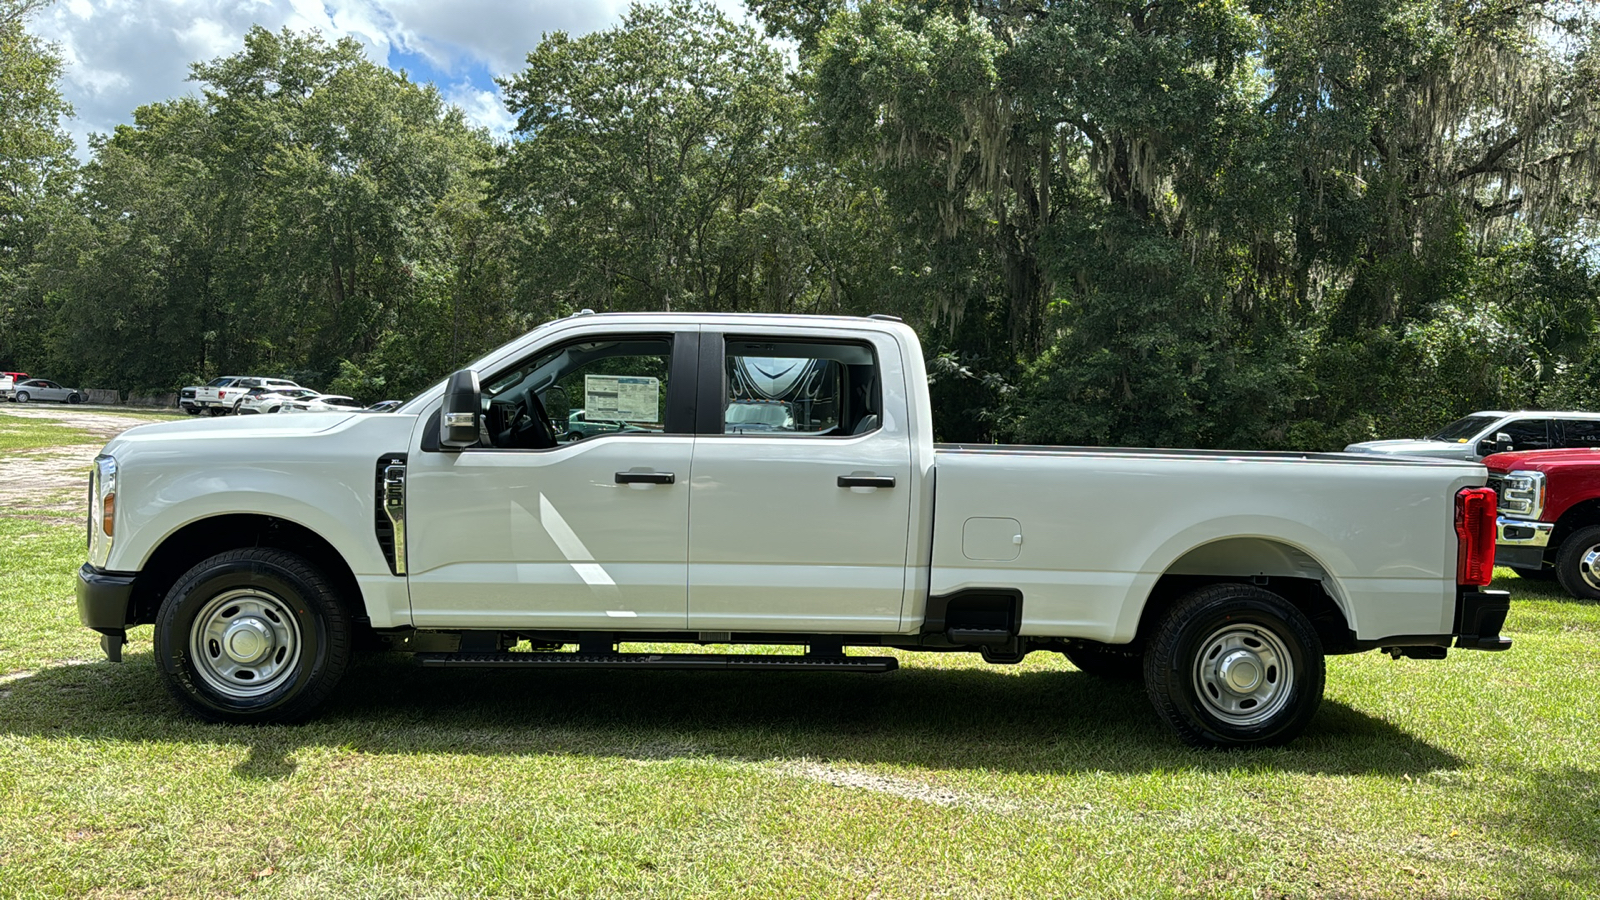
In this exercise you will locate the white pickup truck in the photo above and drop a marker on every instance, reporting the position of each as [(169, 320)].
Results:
[(472, 529)]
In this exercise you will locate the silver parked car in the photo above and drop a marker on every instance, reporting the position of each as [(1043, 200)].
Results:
[(40, 389), (1482, 433)]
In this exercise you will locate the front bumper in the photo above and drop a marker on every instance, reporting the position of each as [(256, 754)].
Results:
[(104, 599), (104, 604), (1521, 543)]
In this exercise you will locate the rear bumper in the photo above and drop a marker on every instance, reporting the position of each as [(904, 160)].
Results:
[(1479, 617), (104, 599), (1520, 543)]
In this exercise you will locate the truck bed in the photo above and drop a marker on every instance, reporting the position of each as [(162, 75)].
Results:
[(1085, 533)]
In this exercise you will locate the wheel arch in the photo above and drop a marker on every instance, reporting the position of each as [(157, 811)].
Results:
[(1579, 515), (1284, 568), (203, 538)]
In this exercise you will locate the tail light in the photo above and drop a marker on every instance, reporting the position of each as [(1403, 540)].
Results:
[(1475, 525)]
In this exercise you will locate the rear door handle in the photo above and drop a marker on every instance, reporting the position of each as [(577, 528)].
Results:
[(646, 478), (880, 481)]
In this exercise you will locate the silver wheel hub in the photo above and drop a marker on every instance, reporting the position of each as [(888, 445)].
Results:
[(245, 643), (1243, 674), (247, 640), (1241, 671), (1589, 567)]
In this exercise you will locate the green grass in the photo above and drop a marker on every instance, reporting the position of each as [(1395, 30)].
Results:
[(1476, 776), (21, 434)]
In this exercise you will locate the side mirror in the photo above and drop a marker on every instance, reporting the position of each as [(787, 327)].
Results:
[(1486, 447), (458, 417), (1502, 443)]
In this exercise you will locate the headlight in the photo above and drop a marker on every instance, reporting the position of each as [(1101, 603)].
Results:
[(102, 509), (1522, 495)]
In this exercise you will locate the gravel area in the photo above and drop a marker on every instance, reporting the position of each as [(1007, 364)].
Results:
[(49, 485)]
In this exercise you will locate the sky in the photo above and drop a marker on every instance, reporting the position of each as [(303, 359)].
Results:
[(122, 54)]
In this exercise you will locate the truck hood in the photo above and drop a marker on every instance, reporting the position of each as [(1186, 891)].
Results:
[(1542, 460), (1409, 446), (240, 426)]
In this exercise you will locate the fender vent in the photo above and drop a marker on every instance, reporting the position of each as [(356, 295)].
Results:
[(389, 531)]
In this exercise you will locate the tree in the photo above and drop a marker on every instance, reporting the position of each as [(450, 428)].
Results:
[(646, 154), (36, 166)]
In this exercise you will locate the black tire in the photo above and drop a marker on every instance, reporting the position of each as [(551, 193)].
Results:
[(74, 398), (1277, 665), (1113, 662), (213, 411), (1544, 574), (269, 603), (1578, 563), (192, 410), (22, 396)]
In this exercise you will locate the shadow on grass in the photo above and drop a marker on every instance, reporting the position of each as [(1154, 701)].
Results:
[(1029, 722), (1559, 811)]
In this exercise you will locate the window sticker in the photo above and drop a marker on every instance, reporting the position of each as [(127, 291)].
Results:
[(622, 398)]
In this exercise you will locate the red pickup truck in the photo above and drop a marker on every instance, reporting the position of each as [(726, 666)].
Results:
[(1549, 517)]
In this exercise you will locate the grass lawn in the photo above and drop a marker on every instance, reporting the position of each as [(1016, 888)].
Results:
[(1477, 776)]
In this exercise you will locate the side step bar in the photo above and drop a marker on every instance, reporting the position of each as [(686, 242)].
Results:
[(750, 662)]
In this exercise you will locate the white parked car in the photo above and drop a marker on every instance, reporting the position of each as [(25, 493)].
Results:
[(218, 396), (269, 399), (35, 389), (322, 403), (1482, 433), (462, 525)]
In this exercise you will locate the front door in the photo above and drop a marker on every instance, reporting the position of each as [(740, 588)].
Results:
[(801, 493), (536, 527)]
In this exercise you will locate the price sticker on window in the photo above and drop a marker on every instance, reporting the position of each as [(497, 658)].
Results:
[(622, 398)]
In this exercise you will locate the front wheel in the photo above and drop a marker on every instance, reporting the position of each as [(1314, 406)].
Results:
[(1578, 563), (253, 635), (22, 396), (74, 398), (1234, 665)]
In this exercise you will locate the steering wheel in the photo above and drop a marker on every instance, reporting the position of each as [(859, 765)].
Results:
[(532, 428)]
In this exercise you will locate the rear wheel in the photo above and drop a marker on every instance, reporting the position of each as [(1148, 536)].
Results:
[(22, 396), (1578, 563), (1115, 662), (253, 635), (1234, 665)]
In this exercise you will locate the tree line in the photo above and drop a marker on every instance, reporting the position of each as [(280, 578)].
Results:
[(1207, 223)]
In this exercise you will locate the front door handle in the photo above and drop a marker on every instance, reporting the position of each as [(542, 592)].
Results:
[(878, 481), (646, 478)]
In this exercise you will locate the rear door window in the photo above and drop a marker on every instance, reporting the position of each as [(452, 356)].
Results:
[(1579, 432)]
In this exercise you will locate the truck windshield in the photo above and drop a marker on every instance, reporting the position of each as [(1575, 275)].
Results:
[(1463, 429)]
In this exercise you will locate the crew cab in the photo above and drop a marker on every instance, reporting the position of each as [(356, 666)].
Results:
[(1478, 435), (1549, 515), (470, 529)]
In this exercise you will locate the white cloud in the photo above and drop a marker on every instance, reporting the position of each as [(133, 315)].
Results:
[(122, 54), (485, 108)]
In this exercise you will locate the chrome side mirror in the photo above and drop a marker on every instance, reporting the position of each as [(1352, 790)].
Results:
[(458, 417)]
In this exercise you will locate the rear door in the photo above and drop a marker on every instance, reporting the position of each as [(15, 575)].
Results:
[(800, 497)]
